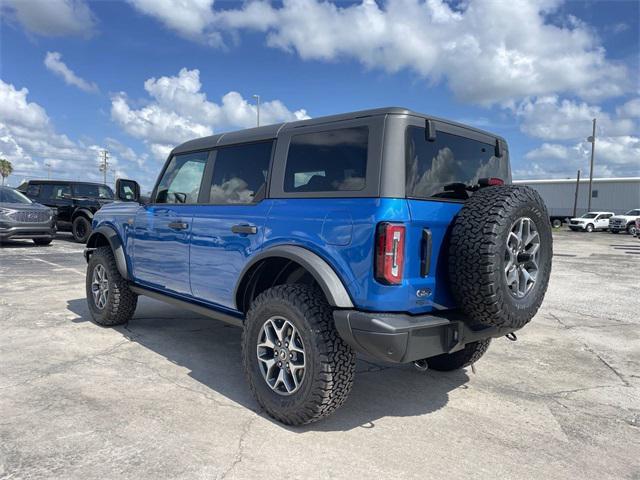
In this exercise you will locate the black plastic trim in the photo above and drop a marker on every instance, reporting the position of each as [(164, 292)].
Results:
[(403, 338), (329, 282), (425, 253), (194, 307), (116, 247)]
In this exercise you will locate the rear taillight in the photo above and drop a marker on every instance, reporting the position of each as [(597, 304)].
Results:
[(490, 182), (390, 253)]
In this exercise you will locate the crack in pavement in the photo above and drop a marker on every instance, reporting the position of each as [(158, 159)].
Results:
[(239, 455), (593, 352), (66, 365)]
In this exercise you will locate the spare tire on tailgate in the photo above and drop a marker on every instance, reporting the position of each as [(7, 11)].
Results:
[(500, 256)]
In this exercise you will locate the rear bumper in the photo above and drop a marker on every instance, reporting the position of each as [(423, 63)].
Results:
[(402, 338)]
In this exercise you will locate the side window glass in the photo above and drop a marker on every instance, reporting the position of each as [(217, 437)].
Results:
[(330, 161), (61, 192), (33, 190), (240, 173), (182, 178)]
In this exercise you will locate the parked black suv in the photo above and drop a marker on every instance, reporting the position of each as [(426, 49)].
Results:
[(75, 202)]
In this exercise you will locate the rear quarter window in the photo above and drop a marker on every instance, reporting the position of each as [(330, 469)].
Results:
[(328, 161), (434, 168)]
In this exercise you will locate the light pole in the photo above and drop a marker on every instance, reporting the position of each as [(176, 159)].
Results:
[(48, 165), (592, 140), (257, 97)]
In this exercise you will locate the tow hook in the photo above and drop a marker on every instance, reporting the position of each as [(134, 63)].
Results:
[(421, 365), (511, 336)]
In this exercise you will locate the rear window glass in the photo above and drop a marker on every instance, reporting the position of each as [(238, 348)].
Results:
[(442, 168), (240, 173), (330, 161)]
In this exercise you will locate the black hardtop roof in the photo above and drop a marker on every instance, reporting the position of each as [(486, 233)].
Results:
[(66, 182), (271, 131)]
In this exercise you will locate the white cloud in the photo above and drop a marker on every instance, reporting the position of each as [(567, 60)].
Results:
[(614, 157), (51, 18), (550, 118), (487, 51), (189, 18), (630, 109), (53, 61), (180, 111), (29, 140)]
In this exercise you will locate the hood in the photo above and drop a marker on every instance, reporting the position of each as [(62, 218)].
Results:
[(23, 206)]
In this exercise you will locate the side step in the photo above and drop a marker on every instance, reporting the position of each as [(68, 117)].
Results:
[(194, 307)]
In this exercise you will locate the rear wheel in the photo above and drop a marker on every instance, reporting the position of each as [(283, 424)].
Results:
[(42, 242), (81, 229), (469, 355), (298, 367), (589, 228), (557, 223), (110, 300)]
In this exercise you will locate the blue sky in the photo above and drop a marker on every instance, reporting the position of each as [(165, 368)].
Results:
[(140, 76)]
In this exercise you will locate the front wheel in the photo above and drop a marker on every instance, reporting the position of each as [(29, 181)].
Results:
[(589, 228), (110, 300), (556, 223), (631, 230), (298, 367)]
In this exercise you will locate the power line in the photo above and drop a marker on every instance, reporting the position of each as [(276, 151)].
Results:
[(104, 164)]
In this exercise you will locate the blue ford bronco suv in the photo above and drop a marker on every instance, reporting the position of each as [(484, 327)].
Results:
[(385, 232)]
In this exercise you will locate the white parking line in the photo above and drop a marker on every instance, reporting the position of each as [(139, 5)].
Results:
[(58, 266)]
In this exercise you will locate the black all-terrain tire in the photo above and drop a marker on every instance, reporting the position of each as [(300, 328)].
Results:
[(477, 255), (121, 301), (631, 230), (329, 361), (556, 223), (469, 355), (42, 242), (81, 229)]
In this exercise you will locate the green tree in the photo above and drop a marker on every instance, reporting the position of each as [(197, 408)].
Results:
[(5, 168)]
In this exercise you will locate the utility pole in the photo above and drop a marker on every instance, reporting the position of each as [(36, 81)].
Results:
[(591, 139), (104, 164), (257, 97), (48, 165), (575, 200)]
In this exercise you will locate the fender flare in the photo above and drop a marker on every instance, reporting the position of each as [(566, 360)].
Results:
[(333, 288), (82, 211), (116, 247)]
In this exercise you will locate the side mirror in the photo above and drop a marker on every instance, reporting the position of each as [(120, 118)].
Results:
[(127, 190)]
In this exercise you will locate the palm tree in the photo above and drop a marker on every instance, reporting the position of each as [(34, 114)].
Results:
[(5, 168)]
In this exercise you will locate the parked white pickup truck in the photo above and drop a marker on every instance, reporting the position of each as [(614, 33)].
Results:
[(620, 223), (591, 221)]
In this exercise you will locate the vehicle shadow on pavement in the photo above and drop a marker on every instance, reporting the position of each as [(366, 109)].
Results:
[(210, 350)]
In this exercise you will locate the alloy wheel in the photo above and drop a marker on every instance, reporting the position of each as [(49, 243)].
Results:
[(522, 257), (100, 286), (281, 356)]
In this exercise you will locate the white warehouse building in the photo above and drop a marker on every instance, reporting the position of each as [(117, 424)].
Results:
[(617, 195)]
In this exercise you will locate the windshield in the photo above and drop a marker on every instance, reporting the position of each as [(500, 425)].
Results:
[(433, 168), (631, 213), (589, 215), (92, 191), (9, 195)]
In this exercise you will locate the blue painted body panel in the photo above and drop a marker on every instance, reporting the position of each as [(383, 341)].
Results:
[(204, 262)]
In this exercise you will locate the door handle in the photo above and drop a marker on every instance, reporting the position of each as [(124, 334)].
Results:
[(246, 229), (178, 225)]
